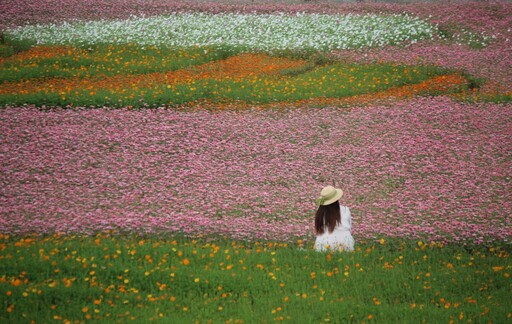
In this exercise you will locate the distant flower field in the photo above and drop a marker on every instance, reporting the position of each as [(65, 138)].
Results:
[(251, 113)]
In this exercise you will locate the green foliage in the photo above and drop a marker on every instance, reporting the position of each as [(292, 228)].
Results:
[(109, 60), (15, 45), (500, 98), (115, 278), (330, 81), (6, 50), (463, 35)]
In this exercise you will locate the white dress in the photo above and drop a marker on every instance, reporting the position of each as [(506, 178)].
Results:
[(340, 238)]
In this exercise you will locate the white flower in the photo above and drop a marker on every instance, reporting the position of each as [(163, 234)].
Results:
[(266, 31)]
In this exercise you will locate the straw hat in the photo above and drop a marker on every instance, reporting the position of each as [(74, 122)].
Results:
[(328, 195)]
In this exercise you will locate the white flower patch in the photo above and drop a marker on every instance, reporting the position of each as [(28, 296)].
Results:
[(245, 31)]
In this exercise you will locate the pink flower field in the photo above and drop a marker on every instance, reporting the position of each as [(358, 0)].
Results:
[(423, 168)]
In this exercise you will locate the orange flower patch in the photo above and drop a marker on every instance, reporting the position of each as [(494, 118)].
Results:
[(41, 52), (235, 68)]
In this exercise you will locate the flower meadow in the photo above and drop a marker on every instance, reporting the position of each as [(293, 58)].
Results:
[(111, 278), (155, 166), (428, 167), (244, 78)]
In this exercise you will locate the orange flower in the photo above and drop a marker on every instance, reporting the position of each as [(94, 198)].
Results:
[(16, 282)]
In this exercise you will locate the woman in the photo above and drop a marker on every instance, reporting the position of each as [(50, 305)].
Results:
[(333, 222)]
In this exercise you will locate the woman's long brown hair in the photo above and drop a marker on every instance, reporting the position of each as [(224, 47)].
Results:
[(327, 217)]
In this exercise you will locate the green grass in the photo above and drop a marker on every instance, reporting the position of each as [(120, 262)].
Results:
[(6, 50), (108, 278), (320, 77), (9, 47), (331, 81), (108, 60)]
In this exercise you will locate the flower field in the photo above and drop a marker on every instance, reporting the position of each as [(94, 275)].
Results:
[(245, 78), (425, 168), (248, 151), (110, 278), (160, 160), (248, 31)]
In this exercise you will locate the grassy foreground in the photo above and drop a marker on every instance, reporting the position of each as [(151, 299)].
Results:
[(109, 277)]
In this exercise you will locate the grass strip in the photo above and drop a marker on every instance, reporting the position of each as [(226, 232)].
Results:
[(150, 76), (101, 61), (46, 77), (109, 277)]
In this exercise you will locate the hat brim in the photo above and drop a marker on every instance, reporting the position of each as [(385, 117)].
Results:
[(337, 197)]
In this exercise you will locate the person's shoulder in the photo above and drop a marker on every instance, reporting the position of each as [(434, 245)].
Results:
[(344, 209)]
